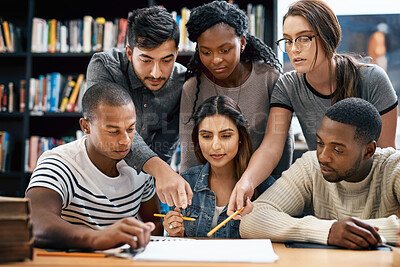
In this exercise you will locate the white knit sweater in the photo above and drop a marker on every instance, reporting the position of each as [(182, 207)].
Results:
[(278, 212)]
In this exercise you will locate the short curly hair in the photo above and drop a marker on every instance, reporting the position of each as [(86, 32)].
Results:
[(359, 113), (107, 93)]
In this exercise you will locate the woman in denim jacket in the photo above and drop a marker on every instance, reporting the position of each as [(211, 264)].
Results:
[(222, 143)]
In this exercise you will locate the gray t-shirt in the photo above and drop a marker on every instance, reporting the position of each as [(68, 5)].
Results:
[(157, 112), (294, 93), (253, 98)]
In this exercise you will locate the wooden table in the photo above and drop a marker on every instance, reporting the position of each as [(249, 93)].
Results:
[(287, 257)]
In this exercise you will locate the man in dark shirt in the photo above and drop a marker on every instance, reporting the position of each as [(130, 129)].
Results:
[(148, 71)]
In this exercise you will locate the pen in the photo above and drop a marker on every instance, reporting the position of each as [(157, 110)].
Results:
[(185, 218), (71, 254), (224, 222)]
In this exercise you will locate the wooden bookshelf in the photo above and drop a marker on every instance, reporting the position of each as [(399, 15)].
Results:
[(25, 65)]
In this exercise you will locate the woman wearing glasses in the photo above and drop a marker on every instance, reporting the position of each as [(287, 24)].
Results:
[(321, 78)]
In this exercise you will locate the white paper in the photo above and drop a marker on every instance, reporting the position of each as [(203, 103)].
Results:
[(210, 250)]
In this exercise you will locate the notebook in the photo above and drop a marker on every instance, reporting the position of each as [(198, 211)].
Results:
[(210, 250)]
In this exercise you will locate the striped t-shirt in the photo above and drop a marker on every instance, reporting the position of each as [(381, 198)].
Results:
[(90, 197)]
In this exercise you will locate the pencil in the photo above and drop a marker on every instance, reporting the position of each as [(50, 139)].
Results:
[(224, 222), (185, 218), (71, 254)]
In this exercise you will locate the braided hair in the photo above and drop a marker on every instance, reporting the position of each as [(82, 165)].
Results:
[(206, 16)]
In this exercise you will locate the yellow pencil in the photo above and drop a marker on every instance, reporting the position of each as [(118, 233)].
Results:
[(70, 254), (185, 218), (224, 222)]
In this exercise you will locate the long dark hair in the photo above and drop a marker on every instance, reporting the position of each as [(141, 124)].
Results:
[(206, 16), (326, 25), (224, 105)]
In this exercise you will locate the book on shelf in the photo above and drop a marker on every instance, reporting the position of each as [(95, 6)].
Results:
[(51, 42), (69, 85), (7, 36), (36, 145), (256, 15), (99, 34), (10, 36), (184, 43), (3, 98), (33, 151), (10, 98), (122, 33), (2, 40), (87, 34), (16, 233), (22, 90), (72, 102)]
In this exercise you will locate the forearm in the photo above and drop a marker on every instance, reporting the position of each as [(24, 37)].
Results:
[(262, 163), (280, 227), (52, 231), (140, 154), (156, 167), (388, 227)]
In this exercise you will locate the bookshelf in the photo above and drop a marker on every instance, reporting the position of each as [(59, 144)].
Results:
[(23, 65)]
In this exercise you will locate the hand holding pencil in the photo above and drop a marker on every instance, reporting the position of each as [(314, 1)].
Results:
[(173, 223), (247, 209)]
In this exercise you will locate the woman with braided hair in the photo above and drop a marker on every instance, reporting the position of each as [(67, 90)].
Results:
[(228, 61)]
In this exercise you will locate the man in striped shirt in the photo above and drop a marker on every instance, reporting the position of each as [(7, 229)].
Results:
[(349, 188), (83, 194)]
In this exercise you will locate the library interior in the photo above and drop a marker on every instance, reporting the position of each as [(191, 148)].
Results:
[(45, 48)]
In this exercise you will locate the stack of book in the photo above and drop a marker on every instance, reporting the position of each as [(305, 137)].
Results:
[(16, 235)]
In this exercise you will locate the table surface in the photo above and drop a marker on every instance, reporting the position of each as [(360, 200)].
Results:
[(287, 257)]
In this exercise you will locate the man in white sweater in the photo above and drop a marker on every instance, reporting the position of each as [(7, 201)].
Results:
[(346, 193)]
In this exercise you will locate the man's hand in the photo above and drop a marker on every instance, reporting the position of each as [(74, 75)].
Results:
[(126, 231), (243, 190), (354, 234), (171, 188)]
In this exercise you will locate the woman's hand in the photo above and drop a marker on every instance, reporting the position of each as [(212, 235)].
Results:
[(241, 193), (173, 223), (248, 208)]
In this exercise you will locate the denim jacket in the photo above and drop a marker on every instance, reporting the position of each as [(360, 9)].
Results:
[(203, 206)]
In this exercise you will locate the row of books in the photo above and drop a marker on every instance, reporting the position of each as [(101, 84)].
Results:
[(184, 43), (5, 151), (12, 99), (91, 34), (16, 230), (256, 15), (54, 92), (36, 145), (78, 35), (10, 37)]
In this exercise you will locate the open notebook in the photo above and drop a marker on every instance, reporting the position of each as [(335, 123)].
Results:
[(208, 250)]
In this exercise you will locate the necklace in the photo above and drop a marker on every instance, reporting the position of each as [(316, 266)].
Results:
[(240, 85)]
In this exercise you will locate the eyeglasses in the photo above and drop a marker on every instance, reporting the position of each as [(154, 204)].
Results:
[(302, 42)]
